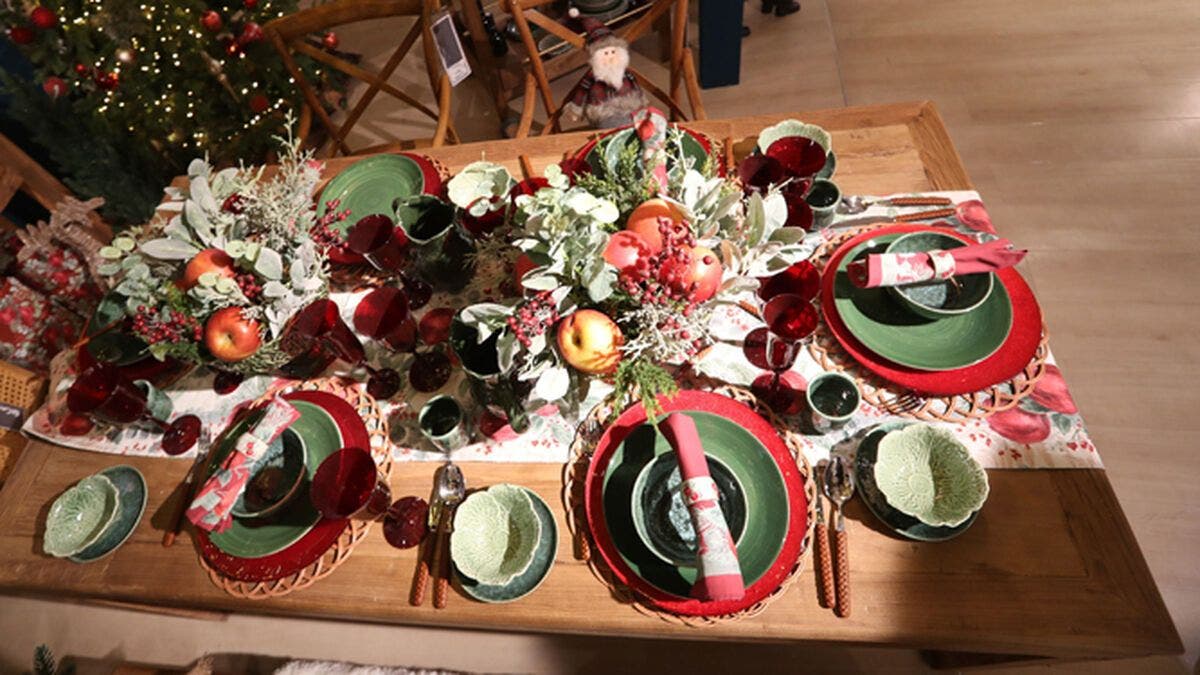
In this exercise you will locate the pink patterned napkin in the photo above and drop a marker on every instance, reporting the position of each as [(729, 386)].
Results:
[(897, 269), (210, 510), (720, 576)]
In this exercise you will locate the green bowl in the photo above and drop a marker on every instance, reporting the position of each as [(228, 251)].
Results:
[(925, 472), (940, 298), (80, 515), (274, 479), (529, 580), (767, 506), (662, 519), (131, 490), (375, 185), (496, 533)]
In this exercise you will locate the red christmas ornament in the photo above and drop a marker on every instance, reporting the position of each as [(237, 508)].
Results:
[(211, 21), (251, 33), (21, 35), (54, 86), (259, 103), (107, 81), (330, 40), (250, 4), (81, 69), (43, 17)]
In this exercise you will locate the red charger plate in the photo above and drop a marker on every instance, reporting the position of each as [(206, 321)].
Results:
[(1010, 359), (432, 186), (703, 401), (306, 550)]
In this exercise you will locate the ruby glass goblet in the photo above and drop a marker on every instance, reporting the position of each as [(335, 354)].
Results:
[(104, 395), (348, 484)]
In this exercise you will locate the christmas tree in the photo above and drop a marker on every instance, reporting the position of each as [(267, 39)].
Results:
[(126, 92)]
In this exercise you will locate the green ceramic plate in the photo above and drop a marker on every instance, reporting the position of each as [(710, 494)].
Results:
[(885, 326), (864, 481), (373, 185), (534, 575), (613, 145), (254, 538), (765, 495), (131, 487)]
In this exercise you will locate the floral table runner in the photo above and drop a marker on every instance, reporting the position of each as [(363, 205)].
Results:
[(1043, 431)]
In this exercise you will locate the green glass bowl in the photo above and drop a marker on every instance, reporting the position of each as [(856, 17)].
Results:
[(80, 515), (925, 472), (496, 533), (767, 507), (662, 519), (274, 479), (533, 576), (943, 297)]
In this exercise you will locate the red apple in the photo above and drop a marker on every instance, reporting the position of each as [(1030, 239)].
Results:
[(625, 249), (230, 336), (702, 268), (590, 342), (644, 220), (208, 260)]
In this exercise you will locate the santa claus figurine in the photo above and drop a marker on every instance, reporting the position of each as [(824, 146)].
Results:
[(608, 94)]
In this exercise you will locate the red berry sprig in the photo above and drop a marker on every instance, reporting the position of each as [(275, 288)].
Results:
[(249, 285), (533, 318), (322, 233), (169, 326)]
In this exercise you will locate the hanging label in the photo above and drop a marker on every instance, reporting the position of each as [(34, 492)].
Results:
[(450, 49)]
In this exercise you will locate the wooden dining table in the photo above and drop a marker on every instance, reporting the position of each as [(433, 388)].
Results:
[(1050, 569)]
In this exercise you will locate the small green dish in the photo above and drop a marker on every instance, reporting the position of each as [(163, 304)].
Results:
[(767, 507), (943, 297), (926, 473), (662, 519), (131, 488), (80, 515), (274, 479), (890, 329), (496, 533), (864, 482), (375, 185), (537, 571)]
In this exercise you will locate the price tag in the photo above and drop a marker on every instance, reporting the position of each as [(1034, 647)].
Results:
[(450, 49)]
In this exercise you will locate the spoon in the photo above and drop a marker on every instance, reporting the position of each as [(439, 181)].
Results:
[(839, 487), (450, 490), (852, 204)]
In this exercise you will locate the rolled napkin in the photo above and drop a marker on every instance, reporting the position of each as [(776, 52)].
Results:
[(210, 510), (898, 269), (720, 575)]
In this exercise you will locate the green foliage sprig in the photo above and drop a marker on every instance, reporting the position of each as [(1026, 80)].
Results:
[(642, 380)]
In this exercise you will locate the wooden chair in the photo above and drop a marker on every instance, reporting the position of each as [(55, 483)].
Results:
[(292, 33), (20, 173), (683, 71)]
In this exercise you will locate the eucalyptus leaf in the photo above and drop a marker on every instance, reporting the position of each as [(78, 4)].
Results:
[(600, 286), (789, 235), (139, 272), (236, 248), (197, 220), (111, 253), (208, 279), (198, 167), (506, 351), (201, 193), (756, 220), (168, 249), (274, 289), (553, 384), (227, 286), (125, 244), (108, 269), (540, 282), (269, 264)]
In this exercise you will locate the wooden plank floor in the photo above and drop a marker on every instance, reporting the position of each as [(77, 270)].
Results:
[(1079, 121)]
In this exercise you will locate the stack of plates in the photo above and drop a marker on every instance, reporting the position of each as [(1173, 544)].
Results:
[(295, 536), (776, 508), (695, 147), (939, 357)]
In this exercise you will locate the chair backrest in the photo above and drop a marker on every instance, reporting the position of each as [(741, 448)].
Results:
[(526, 12), (20, 173), (292, 33)]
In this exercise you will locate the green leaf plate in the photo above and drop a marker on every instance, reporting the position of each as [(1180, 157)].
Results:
[(131, 486), (375, 185), (537, 571), (766, 498), (864, 481), (885, 326), (254, 538)]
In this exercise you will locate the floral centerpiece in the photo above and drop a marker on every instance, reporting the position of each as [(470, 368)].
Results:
[(216, 279), (622, 257)]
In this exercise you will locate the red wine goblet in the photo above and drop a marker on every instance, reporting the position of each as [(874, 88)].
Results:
[(347, 484), (379, 241), (790, 319), (104, 395)]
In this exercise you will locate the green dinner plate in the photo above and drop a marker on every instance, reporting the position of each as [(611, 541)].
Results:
[(765, 494), (131, 487), (254, 538), (375, 185), (901, 523), (533, 576), (613, 145), (885, 326)]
